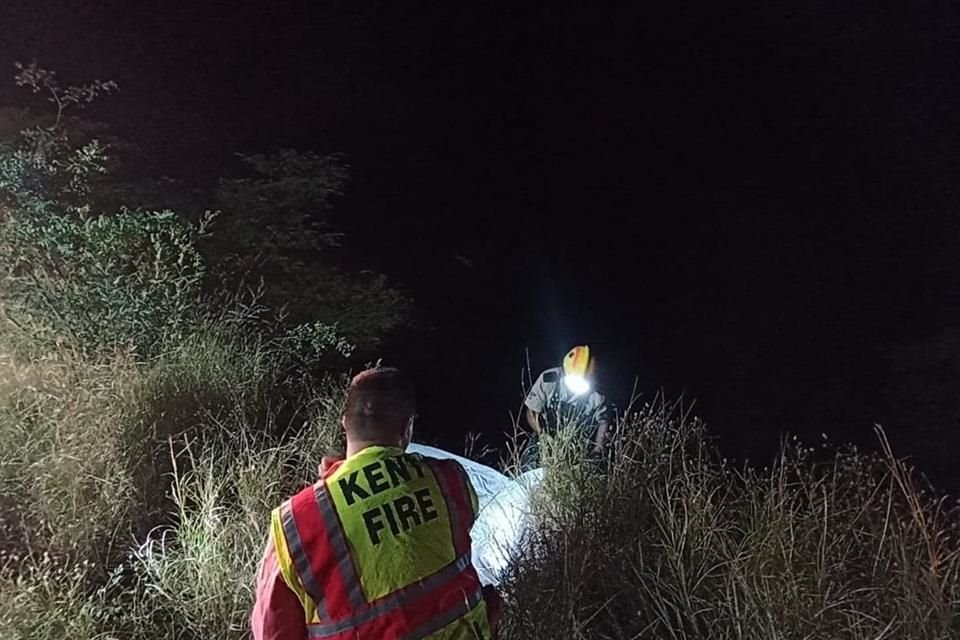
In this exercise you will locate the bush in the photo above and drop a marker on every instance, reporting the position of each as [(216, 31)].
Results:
[(128, 280), (275, 230), (47, 167), (661, 539), (69, 271), (87, 444), (187, 454), (140, 409), (670, 542)]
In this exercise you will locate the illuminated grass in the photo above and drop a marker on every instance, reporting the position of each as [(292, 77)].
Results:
[(135, 500), (670, 542)]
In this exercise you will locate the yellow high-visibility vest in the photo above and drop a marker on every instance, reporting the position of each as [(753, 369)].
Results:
[(380, 549)]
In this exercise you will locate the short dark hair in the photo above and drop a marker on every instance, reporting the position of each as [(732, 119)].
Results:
[(379, 402)]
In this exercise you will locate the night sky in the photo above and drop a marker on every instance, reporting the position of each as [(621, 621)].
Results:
[(753, 205)]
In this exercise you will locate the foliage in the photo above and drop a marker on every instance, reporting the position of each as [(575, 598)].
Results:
[(275, 222), (363, 307), (313, 344), (132, 279), (302, 185), (137, 403), (185, 454), (140, 412), (76, 264), (273, 230), (103, 282), (670, 542), (664, 540), (44, 169)]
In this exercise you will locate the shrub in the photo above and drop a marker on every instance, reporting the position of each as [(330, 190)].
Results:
[(673, 543), (128, 280), (276, 230), (45, 169), (189, 453), (114, 371)]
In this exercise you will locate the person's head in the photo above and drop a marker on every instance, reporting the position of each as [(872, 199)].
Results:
[(579, 370), (380, 408)]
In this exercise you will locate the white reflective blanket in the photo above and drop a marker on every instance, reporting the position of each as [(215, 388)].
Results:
[(504, 512)]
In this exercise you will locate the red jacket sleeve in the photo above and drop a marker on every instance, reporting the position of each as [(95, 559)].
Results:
[(277, 613)]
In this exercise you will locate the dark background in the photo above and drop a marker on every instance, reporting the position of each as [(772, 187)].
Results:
[(753, 205)]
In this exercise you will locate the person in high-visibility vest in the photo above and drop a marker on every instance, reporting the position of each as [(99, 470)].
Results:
[(379, 547)]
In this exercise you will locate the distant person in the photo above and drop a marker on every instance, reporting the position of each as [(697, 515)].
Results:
[(379, 547), (565, 396)]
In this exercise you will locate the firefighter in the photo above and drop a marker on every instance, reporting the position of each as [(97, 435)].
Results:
[(565, 396), (379, 547)]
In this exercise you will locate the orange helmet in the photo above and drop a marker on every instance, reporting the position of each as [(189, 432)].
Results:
[(579, 362)]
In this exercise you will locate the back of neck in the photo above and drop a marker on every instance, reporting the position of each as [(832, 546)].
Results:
[(356, 446)]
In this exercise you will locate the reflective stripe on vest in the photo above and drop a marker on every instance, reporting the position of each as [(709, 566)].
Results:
[(299, 557), (405, 596), (338, 545), (453, 484), (320, 545), (439, 622)]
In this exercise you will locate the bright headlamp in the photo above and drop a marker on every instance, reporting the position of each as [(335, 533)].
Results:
[(576, 384)]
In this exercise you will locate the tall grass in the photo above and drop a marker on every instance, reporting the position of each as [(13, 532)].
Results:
[(223, 504), (63, 480), (669, 542), (134, 495), (134, 500), (42, 599)]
